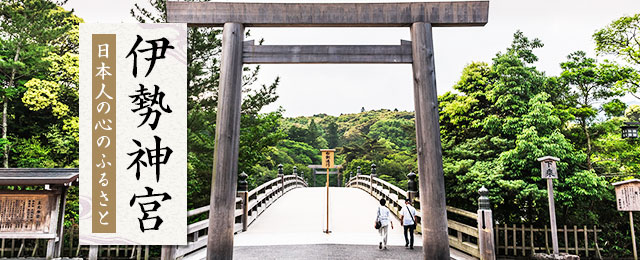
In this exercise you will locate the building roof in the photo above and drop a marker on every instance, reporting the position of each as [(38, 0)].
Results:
[(38, 176), (625, 182), (545, 158)]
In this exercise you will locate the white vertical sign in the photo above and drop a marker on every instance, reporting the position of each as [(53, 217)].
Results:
[(137, 192)]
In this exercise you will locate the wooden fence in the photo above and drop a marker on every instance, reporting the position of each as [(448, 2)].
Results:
[(258, 200), (17, 248), (526, 240)]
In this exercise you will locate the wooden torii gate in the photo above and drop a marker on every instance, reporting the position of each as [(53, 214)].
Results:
[(420, 17)]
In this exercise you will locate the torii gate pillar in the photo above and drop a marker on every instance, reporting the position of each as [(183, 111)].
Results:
[(435, 237)]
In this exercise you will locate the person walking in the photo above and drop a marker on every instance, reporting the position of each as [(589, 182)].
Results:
[(383, 220), (408, 220)]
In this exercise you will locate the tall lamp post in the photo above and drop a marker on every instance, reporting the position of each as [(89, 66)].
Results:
[(624, 201)]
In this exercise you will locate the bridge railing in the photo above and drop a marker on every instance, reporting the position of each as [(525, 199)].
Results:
[(475, 241), (249, 205)]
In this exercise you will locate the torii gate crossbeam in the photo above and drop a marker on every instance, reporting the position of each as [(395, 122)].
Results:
[(420, 17)]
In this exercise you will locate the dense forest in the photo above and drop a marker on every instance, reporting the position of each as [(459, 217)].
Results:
[(500, 116)]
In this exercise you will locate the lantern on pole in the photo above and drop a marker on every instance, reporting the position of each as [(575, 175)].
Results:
[(630, 130)]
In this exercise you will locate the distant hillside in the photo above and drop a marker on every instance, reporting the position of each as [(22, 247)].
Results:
[(383, 137)]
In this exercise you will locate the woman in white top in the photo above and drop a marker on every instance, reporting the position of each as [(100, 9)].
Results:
[(384, 216)]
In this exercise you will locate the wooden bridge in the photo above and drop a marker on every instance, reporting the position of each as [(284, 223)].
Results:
[(295, 218)]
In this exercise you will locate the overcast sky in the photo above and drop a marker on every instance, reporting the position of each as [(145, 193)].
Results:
[(563, 26)]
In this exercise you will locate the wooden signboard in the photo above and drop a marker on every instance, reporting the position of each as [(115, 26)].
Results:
[(28, 212), (327, 158), (628, 195), (548, 166)]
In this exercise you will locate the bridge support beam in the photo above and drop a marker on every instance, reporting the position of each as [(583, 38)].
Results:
[(225, 158), (435, 238)]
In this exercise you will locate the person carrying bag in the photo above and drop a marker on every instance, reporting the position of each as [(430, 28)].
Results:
[(408, 219), (382, 223)]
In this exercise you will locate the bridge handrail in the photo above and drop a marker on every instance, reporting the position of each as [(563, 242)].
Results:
[(258, 199), (464, 234)]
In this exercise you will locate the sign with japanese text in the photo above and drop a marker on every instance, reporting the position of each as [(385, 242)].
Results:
[(628, 195), (26, 212), (133, 134), (327, 158), (549, 169)]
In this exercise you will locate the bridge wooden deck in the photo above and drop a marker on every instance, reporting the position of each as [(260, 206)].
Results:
[(292, 227)]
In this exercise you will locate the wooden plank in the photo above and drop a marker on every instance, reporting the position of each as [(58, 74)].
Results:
[(463, 228), (566, 240), (225, 160), (93, 252), (515, 252), (586, 242), (533, 249), (464, 247), (506, 241), (546, 239), (71, 229), (432, 193), (575, 238), (198, 211), (463, 13), (595, 240), (496, 234), (523, 240), (53, 226), (35, 248), (60, 230), (326, 54), (462, 212), (7, 235)]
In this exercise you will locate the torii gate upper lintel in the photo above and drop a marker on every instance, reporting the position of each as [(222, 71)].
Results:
[(419, 16)]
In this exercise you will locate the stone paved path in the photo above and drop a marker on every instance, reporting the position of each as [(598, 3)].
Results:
[(325, 251)]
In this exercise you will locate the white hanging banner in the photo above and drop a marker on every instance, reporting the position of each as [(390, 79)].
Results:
[(133, 134)]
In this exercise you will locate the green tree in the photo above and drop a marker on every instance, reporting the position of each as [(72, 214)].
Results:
[(29, 32), (620, 38), (332, 134), (590, 83)]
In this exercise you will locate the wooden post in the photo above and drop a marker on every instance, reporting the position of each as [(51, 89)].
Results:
[(633, 236), (435, 237), (295, 173), (552, 217), (243, 192), (225, 158), (327, 184), (53, 226), (167, 252), (60, 231), (93, 252), (485, 226), (412, 186), (281, 176)]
